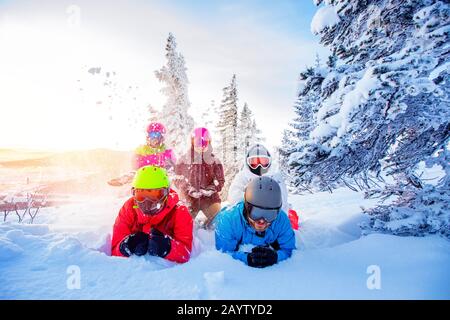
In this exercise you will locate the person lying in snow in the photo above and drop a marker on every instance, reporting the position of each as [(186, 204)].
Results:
[(258, 163), (259, 221), (199, 176), (153, 220)]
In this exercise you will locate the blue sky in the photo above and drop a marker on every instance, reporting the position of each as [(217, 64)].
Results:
[(289, 16), (265, 43)]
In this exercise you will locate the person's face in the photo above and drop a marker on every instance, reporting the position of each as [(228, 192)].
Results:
[(259, 225), (200, 149), (200, 145), (258, 218), (259, 165), (150, 201), (155, 139)]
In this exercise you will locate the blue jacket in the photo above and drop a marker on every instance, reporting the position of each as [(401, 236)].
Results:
[(232, 230)]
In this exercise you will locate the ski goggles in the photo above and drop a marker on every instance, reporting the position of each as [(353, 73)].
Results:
[(257, 213), (154, 195), (155, 135), (200, 142), (255, 162)]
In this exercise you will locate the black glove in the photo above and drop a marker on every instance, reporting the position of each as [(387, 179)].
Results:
[(136, 243), (159, 244), (262, 257)]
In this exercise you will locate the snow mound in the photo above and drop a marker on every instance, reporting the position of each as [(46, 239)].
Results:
[(40, 262), (9, 250), (214, 281)]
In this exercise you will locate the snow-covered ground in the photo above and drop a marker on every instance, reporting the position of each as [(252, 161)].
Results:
[(42, 261)]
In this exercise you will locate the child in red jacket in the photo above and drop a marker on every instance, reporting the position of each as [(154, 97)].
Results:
[(153, 221)]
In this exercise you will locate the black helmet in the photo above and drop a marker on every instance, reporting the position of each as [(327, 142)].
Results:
[(258, 159), (263, 199)]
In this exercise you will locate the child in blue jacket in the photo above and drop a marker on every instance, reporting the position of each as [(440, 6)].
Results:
[(258, 221)]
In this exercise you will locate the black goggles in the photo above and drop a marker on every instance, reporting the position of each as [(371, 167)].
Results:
[(257, 213)]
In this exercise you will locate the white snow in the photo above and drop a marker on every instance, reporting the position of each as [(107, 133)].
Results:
[(324, 129), (436, 72), (37, 261), (355, 98), (214, 282), (339, 122), (8, 249), (325, 16)]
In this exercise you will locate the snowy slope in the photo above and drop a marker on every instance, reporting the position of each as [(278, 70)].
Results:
[(331, 262)]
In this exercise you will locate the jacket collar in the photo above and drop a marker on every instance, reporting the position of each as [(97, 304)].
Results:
[(146, 149)]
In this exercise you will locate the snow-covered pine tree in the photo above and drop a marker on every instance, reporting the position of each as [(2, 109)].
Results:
[(245, 133), (386, 109), (288, 142), (153, 114), (227, 129), (305, 107), (215, 131), (331, 61), (174, 114), (257, 134), (317, 62), (207, 120), (307, 102)]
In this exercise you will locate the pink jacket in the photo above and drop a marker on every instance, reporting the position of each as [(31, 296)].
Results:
[(161, 157)]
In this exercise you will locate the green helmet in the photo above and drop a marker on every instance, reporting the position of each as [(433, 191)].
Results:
[(151, 177)]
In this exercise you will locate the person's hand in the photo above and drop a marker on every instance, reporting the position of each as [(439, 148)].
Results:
[(262, 257), (136, 243), (194, 193), (207, 192), (159, 244)]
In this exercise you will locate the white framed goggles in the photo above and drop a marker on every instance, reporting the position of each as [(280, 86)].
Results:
[(256, 161)]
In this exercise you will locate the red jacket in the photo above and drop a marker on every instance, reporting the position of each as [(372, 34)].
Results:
[(174, 221)]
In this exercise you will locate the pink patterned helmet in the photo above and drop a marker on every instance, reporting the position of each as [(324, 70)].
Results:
[(156, 127), (200, 137)]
